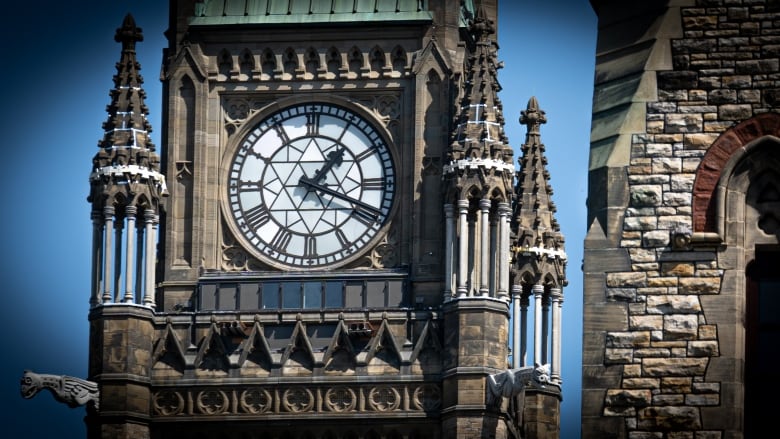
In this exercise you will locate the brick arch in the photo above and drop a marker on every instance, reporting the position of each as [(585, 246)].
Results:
[(714, 161)]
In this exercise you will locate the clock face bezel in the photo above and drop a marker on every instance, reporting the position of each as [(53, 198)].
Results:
[(318, 177)]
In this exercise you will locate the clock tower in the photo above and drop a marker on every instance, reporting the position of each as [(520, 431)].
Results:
[(332, 243)]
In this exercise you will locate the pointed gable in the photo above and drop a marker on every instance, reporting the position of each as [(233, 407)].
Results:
[(212, 357), (339, 358), (168, 355), (383, 355), (255, 354), (298, 358), (427, 354)]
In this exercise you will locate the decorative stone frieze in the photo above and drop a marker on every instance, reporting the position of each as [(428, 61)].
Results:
[(272, 400)]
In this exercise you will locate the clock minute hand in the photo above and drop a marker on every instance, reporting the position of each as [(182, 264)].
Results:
[(367, 208)]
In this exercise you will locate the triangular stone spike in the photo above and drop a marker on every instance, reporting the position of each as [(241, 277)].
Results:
[(339, 357), (212, 355), (383, 356), (168, 354), (298, 356), (255, 356), (428, 340)]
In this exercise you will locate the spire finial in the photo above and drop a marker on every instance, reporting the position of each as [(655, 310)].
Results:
[(533, 116), (129, 33), (481, 26)]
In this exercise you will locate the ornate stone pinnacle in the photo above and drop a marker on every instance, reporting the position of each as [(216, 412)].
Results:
[(533, 116), (481, 26), (128, 34)]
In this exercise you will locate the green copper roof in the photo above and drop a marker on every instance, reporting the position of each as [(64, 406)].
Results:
[(220, 12)]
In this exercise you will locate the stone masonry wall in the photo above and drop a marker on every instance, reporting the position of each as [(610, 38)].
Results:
[(725, 71)]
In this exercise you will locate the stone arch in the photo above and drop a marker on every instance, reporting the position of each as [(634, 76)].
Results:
[(377, 60), (333, 62), (312, 62), (246, 64), (290, 62), (224, 64), (268, 63), (736, 198), (355, 60), (497, 195), (729, 145), (399, 59)]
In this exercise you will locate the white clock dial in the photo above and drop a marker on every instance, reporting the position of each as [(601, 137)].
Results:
[(311, 186)]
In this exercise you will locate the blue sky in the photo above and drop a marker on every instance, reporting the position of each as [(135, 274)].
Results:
[(58, 63)]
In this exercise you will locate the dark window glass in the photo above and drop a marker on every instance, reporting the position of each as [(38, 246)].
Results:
[(312, 295), (334, 295), (270, 295), (762, 341), (291, 295)]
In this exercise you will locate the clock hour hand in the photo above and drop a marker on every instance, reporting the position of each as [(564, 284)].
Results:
[(335, 158), (362, 207)]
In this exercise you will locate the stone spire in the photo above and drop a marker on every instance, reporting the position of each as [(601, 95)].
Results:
[(479, 123), (538, 239), (539, 260), (125, 184), (126, 138), (478, 174)]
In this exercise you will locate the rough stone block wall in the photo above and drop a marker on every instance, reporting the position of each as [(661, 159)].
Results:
[(726, 70)]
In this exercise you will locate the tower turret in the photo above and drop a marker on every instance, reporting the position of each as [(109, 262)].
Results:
[(479, 174), (539, 259), (126, 188)]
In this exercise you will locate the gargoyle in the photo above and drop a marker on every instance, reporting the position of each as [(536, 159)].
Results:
[(512, 382), (69, 390)]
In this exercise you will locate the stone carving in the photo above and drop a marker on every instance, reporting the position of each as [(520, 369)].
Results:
[(340, 399), (384, 399), (512, 382), (681, 238), (298, 400), (256, 400), (274, 400), (212, 402), (66, 389), (168, 403), (427, 397)]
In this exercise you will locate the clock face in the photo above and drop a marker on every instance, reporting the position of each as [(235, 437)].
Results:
[(311, 186)]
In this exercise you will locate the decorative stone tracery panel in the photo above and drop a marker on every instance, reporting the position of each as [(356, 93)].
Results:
[(295, 400)]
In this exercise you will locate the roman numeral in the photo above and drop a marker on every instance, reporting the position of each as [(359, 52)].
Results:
[(281, 240), (310, 248), (365, 217), (248, 186), (373, 184), (312, 123), (281, 133), (366, 153), (257, 216), (342, 238)]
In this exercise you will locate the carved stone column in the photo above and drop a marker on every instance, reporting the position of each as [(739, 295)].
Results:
[(484, 241), (557, 304), (449, 243), (463, 243), (517, 360), (97, 258), (130, 212), (108, 230), (538, 290), (118, 225), (503, 251), (150, 221)]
